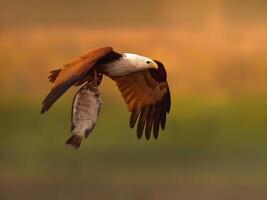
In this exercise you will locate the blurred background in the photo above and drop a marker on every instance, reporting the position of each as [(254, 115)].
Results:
[(215, 142)]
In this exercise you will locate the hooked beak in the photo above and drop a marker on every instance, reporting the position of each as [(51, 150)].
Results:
[(154, 65)]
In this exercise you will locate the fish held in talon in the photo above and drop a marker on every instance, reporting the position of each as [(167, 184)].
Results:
[(142, 82), (85, 109)]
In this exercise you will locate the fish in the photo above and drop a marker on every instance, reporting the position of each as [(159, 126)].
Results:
[(85, 110)]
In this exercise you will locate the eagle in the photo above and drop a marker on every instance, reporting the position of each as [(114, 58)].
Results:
[(141, 81)]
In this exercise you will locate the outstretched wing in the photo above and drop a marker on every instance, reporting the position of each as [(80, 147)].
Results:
[(147, 96), (76, 72)]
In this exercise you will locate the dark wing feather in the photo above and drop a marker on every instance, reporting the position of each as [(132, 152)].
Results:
[(156, 121), (134, 117), (76, 72), (56, 93), (149, 122), (142, 121)]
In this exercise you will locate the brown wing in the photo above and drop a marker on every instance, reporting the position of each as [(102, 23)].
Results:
[(139, 89), (76, 72), (147, 98)]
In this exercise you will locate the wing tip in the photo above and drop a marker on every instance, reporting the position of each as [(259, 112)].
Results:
[(147, 136)]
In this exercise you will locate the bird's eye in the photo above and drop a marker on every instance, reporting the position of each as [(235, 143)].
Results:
[(148, 62)]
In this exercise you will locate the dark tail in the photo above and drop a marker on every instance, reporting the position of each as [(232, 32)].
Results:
[(74, 141)]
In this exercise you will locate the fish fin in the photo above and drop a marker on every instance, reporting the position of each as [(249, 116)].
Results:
[(74, 142)]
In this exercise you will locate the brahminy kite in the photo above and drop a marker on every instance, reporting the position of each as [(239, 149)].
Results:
[(142, 82)]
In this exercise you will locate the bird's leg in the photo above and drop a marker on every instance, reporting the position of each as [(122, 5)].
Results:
[(99, 78), (95, 77), (93, 81)]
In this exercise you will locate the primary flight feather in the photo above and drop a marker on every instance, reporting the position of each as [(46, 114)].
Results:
[(142, 82)]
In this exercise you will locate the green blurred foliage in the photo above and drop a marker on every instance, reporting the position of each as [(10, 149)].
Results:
[(207, 146)]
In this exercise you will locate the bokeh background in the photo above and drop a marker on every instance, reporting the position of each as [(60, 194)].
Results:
[(215, 142)]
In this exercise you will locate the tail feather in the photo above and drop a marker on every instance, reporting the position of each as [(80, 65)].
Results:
[(74, 142), (53, 75)]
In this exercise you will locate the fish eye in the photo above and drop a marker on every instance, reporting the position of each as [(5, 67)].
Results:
[(148, 62)]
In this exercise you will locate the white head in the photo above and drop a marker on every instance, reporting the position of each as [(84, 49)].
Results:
[(140, 62), (127, 64)]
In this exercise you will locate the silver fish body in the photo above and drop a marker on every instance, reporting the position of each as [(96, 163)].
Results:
[(85, 109)]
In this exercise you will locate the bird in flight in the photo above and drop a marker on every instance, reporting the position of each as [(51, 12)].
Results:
[(142, 82)]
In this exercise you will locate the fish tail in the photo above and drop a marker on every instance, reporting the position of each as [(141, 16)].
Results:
[(74, 141)]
